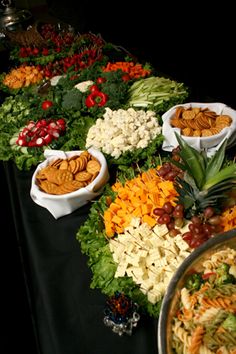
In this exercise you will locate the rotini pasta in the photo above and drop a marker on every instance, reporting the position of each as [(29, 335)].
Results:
[(206, 315), (222, 350), (185, 298), (181, 333), (205, 320), (196, 340), (225, 256), (204, 350), (218, 302)]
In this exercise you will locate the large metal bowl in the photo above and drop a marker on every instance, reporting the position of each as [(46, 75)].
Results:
[(192, 262)]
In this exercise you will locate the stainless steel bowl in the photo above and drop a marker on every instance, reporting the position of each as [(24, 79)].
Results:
[(192, 262)]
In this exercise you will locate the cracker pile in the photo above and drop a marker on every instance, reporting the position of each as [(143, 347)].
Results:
[(68, 175), (199, 122)]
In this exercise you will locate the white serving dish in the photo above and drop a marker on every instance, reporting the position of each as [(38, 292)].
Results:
[(211, 143), (60, 205)]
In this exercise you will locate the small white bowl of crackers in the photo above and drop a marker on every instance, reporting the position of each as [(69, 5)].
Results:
[(204, 126), (66, 181)]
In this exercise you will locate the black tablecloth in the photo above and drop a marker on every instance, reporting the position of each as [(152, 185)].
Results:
[(66, 314)]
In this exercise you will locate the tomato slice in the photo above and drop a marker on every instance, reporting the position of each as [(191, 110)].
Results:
[(207, 275)]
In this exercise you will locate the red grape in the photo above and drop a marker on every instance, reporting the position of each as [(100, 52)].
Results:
[(197, 229), (170, 176), (179, 207), (158, 211), (166, 218), (208, 212), (207, 229), (187, 236), (171, 225), (196, 219), (214, 220), (168, 207), (178, 214)]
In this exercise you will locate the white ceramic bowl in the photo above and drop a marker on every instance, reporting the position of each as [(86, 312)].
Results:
[(60, 205), (192, 263), (200, 143)]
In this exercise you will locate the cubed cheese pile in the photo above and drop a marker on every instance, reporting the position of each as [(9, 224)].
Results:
[(149, 255), (123, 130)]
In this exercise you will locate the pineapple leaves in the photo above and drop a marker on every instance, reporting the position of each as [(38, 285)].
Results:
[(207, 181), (194, 162), (215, 163), (225, 174), (186, 192), (215, 173)]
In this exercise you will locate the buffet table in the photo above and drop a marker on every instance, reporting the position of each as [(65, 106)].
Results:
[(67, 314)]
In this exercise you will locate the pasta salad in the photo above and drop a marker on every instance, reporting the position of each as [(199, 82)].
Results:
[(205, 320)]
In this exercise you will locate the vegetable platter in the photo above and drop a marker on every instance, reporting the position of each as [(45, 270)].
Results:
[(157, 206), (39, 114)]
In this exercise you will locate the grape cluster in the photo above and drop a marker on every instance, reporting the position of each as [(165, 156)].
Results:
[(175, 154), (168, 171), (172, 216), (202, 227)]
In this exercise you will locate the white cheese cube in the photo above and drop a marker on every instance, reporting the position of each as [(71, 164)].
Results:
[(161, 230)]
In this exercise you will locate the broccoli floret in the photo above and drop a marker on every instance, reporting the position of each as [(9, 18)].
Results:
[(72, 100), (194, 282), (223, 275), (230, 323)]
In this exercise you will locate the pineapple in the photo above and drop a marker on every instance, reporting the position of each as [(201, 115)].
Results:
[(207, 181)]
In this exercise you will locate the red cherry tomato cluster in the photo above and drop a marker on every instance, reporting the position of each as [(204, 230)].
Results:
[(53, 39), (42, 132), (77, 61), (33, 51), (28, 51)]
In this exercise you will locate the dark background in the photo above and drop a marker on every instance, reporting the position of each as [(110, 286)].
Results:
[(191, 43)]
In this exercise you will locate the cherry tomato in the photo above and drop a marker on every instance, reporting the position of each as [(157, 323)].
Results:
[(35, 51), (47, 104), (100, 80)]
